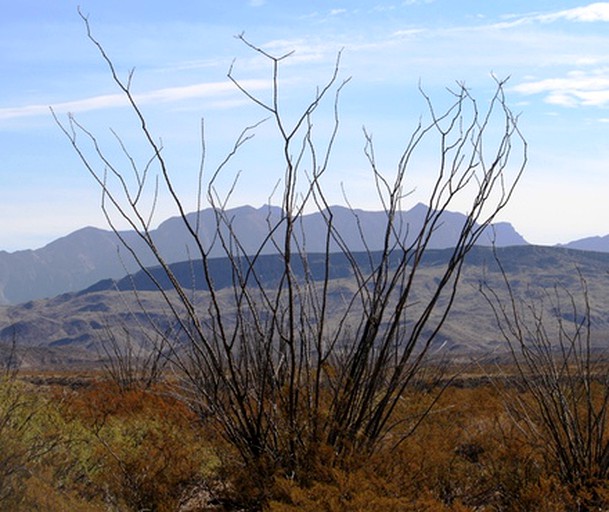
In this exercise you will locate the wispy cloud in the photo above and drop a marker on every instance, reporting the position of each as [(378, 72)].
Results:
[(302, 50), (256, 3), (598, 11), (578, 88), (166, 95), (411, 32), (595, 12)]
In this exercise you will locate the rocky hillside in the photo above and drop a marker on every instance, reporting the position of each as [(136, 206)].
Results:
[(75, 327)]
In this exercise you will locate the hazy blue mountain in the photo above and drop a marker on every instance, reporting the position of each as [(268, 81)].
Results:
[(68, 263), (88, 255), (592, 243)]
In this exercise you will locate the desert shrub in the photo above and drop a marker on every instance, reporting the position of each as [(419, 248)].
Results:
[(139, 449), (128, 364), (467, 455), (147, 463), (15, 419), (345, 491), (254, 359), (27, 438), (102, 448), (42, 493), (564, 406)]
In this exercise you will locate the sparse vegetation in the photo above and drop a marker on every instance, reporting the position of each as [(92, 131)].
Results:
[(108, 449), (565, 376), (258, 397), (290, 390)]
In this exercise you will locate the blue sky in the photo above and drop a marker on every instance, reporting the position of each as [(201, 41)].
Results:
[(555, 53)]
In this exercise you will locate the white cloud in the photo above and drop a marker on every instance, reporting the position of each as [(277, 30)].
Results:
[(336, 12), (301, 50), (167, 95), (408, 32), (598, 11), (576, 89), (197, 91), (256, 3)]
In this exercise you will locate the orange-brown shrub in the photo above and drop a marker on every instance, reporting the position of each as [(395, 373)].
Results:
[(138, 449), (468, 455), (145, 447)]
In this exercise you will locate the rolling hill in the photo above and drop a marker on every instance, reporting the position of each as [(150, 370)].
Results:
[(70, 329)]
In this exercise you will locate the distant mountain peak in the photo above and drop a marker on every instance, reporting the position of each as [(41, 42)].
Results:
[(591, 243), (90, 254)]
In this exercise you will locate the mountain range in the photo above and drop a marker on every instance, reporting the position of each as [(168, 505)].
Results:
[(86, 256), (72, 329), (66, 300)]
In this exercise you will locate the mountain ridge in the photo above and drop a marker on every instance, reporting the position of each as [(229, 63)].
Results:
[(590, 243), (88, 255)]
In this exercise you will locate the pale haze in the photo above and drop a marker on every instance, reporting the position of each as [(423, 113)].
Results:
[(554, 53)]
